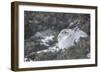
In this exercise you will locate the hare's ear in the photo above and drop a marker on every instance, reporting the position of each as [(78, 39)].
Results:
[(83, 34)]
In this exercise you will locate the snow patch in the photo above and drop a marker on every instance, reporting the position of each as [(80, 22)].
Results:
[(46, 39)]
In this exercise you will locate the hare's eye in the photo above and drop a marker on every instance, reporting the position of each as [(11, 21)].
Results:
[(66, 32)]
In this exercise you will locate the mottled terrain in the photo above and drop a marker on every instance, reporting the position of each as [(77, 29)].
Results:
[(56, 36)]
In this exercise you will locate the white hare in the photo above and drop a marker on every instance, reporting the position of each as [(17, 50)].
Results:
[(68, 37)]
